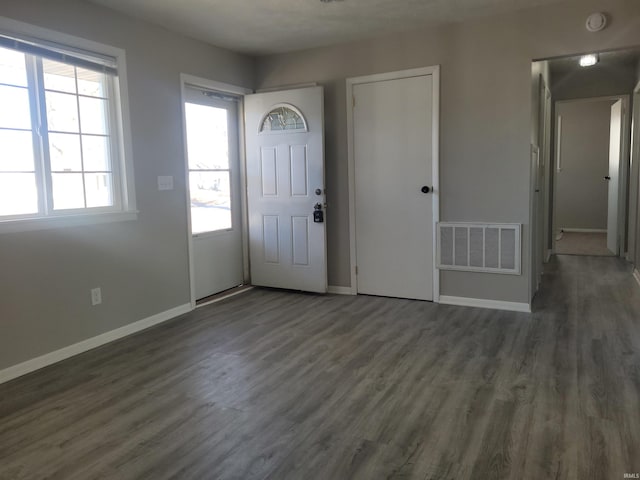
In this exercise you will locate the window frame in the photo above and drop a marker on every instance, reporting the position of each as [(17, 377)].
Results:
[(124, 201), (191, 95)]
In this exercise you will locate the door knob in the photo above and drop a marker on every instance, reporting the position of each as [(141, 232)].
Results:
[(607, 177), (425, 189)]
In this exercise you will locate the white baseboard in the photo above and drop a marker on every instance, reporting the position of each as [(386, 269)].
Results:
[(339, 290), (56, 356), (483, 303), (584, 230), (636, 275)]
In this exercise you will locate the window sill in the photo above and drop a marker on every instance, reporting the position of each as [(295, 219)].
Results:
[(48, 223)]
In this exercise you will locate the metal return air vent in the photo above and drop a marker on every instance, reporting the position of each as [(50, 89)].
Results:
[(480, 247)]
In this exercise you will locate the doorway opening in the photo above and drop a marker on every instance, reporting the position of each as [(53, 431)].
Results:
[(213, 169), (584, 176), (286, 189), (589, 159), (255, 195)]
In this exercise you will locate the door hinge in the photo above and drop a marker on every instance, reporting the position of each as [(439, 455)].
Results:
[(353, 98), (356, 269)]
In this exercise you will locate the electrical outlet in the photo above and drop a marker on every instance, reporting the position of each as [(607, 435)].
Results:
[(96, 296)]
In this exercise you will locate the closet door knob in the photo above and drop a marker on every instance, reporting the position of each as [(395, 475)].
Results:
[(425, 189)]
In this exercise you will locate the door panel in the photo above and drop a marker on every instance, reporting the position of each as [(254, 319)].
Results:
[(217, 264), (285, 181), (269, 172), (300, 235), (615, 137), (392, 127), (214, 187), (299, 178)]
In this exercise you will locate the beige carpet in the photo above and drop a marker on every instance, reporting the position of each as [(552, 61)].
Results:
[(573, 243)]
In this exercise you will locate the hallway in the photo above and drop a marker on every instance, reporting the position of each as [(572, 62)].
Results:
[(577, 243)]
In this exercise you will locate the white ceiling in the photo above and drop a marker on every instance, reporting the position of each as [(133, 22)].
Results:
[(623, 60), (275, 26)]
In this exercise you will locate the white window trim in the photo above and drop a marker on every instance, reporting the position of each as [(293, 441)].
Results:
[(127, 201), (48, 223)]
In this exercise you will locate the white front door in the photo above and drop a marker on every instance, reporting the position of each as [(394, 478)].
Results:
[(211, 125), (285, 189), (392, 141), (615, 138)]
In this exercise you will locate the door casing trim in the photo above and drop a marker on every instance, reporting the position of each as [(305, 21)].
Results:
[(434, 71)]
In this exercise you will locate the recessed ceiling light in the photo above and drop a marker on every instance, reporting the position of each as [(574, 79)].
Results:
[(588, 60)]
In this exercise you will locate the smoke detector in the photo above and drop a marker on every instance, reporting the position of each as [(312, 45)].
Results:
[(596, 22)]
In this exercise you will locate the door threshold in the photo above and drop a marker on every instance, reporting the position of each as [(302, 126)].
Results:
[(216, 297)]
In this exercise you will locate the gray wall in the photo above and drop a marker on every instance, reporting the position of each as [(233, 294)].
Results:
[(485, 114), (142, 267), (581, 191)]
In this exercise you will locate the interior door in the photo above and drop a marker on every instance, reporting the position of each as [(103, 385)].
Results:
[(392, 133), (211, 122), (615, 137), (286, 190)]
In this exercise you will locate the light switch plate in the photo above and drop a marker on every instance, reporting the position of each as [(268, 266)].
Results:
[(165, 183)]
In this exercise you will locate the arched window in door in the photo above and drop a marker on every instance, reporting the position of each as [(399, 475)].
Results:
[(283, 118)]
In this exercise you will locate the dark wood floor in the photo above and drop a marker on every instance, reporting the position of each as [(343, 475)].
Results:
[(275, 385)]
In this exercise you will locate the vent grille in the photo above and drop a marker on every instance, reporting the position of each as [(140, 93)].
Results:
[(480, 247)]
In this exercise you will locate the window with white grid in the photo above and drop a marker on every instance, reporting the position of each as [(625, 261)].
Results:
[(60, 136)]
